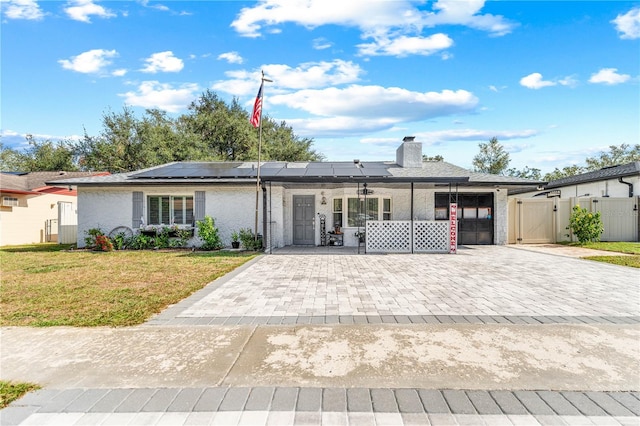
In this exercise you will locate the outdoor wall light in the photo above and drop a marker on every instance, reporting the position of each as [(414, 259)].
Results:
[(324, 199)]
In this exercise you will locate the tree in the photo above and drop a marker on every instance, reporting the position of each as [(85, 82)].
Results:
[(11, 160), (46, 156), (280, 143), (618, 154), (526, 173), (210, 130), (565, 172), (434, 158), (492, 158)]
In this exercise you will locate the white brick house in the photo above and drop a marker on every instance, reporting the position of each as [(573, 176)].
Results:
[(398, 202)]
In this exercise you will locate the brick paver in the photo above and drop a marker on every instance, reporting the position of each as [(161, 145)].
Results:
[(482, 285), (334, 406), (488, 284)]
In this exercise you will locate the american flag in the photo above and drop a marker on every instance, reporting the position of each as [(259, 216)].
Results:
[(257, 108)]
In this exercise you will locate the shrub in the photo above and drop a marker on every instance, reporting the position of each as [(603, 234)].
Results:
[(96, 240), (208, 232), (120, 241), (92, 234), (248, 240), (141, 242), (103, 243), (586, 226)]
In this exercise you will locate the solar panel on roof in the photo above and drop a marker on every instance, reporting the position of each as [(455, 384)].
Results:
[(320, 172), (291, 172), (319, 165), (355, 172), (344, 166), (273, 165)]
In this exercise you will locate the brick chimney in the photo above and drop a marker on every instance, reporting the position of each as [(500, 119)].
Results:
[(409, 154)]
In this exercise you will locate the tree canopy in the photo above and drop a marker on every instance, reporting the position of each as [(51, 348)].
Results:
[(211, 130), (617, 155), (492, 158)]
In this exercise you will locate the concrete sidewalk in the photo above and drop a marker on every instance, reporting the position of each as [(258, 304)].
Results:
[(493, 335)]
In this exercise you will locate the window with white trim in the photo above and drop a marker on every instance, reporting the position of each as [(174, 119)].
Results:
[(169, 210), (386, 209), (10, 201), (337, 212), (359, 210)]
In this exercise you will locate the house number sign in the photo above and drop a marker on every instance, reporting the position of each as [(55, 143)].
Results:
[(453, 228)]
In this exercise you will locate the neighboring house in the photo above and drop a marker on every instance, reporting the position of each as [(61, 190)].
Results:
[(403, 206), (542, 216), (30, 209)]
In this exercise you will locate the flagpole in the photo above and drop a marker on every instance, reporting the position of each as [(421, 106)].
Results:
[(263, 79)]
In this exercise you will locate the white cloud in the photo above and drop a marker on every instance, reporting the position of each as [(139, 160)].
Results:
[(231, 57), (375, 102), (22, 9), (163, 62), (81, 10), (153, 94), (609, 76), (338, 126), (569, 81), (456, 12), (403, 45), (358, 110), (119, 72), (321, 43), (474, 135), (535, 81), (306, 75), (89, 62), (628, 25), (393, 25)]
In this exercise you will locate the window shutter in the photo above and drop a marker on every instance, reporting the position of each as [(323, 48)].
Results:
[(138, 205), (199, 204)]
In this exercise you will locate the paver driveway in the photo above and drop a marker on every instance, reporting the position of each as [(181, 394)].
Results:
[(453, 374), (483, 283)]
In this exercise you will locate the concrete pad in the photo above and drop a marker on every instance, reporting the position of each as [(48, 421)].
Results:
[(452, 356), (135, 357)]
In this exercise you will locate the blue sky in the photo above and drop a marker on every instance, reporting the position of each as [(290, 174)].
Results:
[(554, 81)]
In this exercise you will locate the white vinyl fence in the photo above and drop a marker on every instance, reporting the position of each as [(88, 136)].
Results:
[(535, 221)]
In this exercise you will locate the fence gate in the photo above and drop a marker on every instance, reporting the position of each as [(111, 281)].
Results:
[(67, 223), (533, 221)]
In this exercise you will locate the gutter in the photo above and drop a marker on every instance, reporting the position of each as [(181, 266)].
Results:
[(630, 186)]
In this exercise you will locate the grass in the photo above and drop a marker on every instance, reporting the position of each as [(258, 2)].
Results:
[(632, 261), (10, 391), (614, 246), (49, 285), (617, 246)]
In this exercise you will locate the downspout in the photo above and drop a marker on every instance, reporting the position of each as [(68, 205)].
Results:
[(358, 193), (411, 233), (264, 216), (630, 186), (270, 220)]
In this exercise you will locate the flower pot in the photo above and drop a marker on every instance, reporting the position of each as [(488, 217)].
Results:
[(235, 244)]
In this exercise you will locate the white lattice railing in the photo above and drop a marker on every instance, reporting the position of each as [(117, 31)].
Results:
[(388, 236), (394, 236), (430, 236)]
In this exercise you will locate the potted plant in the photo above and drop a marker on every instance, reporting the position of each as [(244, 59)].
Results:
[(235, 240), (360, 235)]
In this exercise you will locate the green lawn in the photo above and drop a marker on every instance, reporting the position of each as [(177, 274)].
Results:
[(50, 285), (10, 391), (615, 246)]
